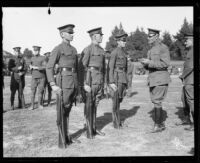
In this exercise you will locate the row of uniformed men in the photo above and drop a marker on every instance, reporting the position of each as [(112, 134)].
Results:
[(92, 78)]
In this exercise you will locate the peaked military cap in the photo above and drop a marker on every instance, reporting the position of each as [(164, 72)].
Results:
[(47, 53), (153, 32), (67, 28), (121, 36), (95, 31), (17, 48), (36, 48)]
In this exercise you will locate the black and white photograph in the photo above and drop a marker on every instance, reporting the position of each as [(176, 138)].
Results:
[(98, 81)]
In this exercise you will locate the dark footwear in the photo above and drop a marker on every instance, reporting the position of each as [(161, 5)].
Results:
[(190, 128), (100, 133), (184, 122), (162, 126), (157, 128)]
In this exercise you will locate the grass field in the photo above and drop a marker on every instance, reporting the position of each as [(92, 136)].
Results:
[(34, 133)]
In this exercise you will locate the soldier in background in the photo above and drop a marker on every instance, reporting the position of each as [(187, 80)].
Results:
[(47, 85), (17, 66), (157, 62), (118, 80), (187, 78), (66, 84), (37, 66), (94, 64), (130, 73)]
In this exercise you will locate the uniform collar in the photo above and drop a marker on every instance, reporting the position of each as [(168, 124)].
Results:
[(64, 43)]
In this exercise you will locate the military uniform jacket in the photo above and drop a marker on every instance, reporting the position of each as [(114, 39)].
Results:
[(188, 75), (94, 56), (13, 65), (118, 59), (159, 62), (65, 56), (39, 61)]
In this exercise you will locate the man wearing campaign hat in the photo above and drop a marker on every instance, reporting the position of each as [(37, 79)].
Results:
[(187, 78), (66, 84), (118, 80), (94, 65), (37, 66), (157, 62), (18, 67)]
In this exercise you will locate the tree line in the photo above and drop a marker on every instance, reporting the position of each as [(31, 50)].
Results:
[(137, 42)]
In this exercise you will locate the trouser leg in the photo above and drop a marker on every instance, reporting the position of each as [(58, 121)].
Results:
[(12, 98)]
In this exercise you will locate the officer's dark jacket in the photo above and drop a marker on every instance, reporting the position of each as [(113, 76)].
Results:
[(94, 56), (65, 55), (39, 61), (13, 65), (159, 62), (118, 59), (188, 75)]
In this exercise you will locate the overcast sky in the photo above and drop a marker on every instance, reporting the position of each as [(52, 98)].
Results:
[(26, 27)]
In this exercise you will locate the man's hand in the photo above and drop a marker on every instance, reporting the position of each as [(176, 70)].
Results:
[(20, 67), (56, 89), (20, 73), (113, 86), (33, 67), (144, 61), (87, 88)]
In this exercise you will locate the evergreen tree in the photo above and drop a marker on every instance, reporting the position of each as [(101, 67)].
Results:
[(27, 53), (137, 44), (179, 44)]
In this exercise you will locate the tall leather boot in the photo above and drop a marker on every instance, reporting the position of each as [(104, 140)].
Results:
[(157, 127), (161, 121), (12, 98)]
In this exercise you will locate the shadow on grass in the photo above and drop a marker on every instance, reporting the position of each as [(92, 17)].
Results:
[(180, 113), (152, 115), (107, 117), (132, 94), (102, 121)]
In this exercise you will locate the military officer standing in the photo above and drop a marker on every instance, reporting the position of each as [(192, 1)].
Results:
[(187, 78), (130, 72), (66, 84), (118, 77), (157, 62), (17, 66), (37, 66), (47, 55), (94, 64)]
